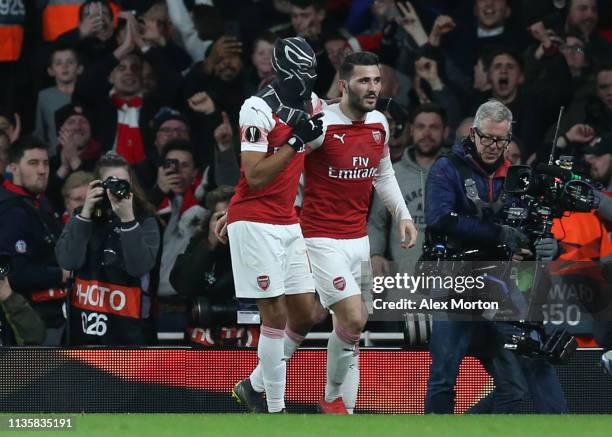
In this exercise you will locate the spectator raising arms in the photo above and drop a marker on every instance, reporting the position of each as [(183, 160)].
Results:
[(114, 87)]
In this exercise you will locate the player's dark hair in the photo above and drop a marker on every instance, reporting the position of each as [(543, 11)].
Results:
[(359, 58), (22, 145)]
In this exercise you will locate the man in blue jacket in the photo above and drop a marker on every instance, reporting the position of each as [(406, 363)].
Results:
[(461, 197), (28, 233)]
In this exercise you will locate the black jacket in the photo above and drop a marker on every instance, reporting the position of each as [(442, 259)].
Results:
[(204, 272), (28, 234), (90, 49)]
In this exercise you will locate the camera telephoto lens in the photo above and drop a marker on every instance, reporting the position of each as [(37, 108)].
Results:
[(119, 187)]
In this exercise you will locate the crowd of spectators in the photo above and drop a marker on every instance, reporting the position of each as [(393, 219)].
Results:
[(160, 83)]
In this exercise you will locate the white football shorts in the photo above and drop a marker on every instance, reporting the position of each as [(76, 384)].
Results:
[(269, 260), (341, 269)]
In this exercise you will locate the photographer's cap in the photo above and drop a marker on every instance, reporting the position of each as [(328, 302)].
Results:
[(601, 146)]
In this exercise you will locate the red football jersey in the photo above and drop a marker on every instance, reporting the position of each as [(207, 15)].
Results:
[(338, 174), (262, 131)]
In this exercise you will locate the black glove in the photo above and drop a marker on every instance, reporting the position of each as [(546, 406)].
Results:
[(513, 238), (546, 249), (306, 130)]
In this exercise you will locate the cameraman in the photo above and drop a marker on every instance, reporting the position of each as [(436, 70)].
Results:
[(112, 245), (462, 197)]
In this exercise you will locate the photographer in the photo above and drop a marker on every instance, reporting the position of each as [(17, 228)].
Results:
[(112, 246), (462, 196), (204, 272)]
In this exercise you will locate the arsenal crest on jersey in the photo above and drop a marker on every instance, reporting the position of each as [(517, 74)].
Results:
[(377, 136), (263, 281), (339, 283)]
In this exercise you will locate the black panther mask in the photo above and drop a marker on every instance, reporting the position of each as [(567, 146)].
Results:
[(295, 64)]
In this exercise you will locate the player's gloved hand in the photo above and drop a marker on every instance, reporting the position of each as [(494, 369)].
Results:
[(513, 238), (546, 249), (306, 130)]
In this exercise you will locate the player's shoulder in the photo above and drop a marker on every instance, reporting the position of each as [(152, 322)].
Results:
[(255, 104), (256, 111), (375, 116), (376, 119), (334, 115)]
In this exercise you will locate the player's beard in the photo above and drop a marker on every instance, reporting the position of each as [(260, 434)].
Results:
[(357, 102)]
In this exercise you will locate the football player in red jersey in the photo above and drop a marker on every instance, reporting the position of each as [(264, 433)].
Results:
[(349, 158), (345, 161), (268, 251)]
